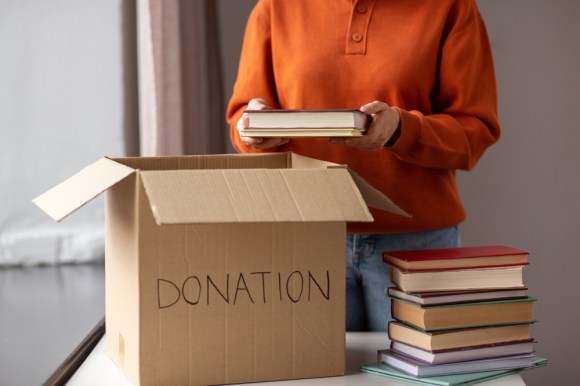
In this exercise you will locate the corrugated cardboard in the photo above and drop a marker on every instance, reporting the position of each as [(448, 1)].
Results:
[(222, 269)]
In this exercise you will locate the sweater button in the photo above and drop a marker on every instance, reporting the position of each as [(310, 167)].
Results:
[(361, 8), (357, 37)]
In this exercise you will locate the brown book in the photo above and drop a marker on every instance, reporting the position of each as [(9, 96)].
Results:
[(452, 339), (453, 316), (306, 123)]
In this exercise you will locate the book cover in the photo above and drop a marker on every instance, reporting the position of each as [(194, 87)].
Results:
[(463, 279), (300, 133), (306, 123), (457, 297), (456, 258), (419, 369), (381, 369), (463, 315), (495, 350), (457, 338)]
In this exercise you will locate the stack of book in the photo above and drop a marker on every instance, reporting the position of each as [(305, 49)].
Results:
[(306, 123), (459, 311)]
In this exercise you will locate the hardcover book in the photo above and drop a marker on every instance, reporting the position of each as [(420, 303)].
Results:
[(457, 297), (464, 315), (458, 338), (306, 123), (458, 279), (419, 369), (464, 353), (466, 379), (456, 258)]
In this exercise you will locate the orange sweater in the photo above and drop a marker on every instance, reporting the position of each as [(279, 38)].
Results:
[(429, 59)]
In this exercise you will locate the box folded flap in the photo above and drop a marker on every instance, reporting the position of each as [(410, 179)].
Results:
[(253, 195), (372, 196), (73, 193), (375, 198)]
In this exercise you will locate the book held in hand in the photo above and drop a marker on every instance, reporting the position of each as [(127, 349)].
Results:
[(306, 123), (456, 258), (464, 315)]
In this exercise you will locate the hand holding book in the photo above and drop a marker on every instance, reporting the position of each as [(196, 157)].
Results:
[(244, 123), (383, 131), (371, 127)]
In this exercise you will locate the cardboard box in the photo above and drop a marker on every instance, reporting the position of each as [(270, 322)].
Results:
[(225, 268)]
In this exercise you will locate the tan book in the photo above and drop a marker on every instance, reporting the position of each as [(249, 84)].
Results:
[(459, 279), (451, 339), (453, 316)]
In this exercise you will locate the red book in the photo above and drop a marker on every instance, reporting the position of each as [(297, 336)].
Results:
[(444, 259)]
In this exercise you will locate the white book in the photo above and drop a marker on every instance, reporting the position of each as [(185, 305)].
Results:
[(328, 119), (460, 279), (464, 353), (420, 369)]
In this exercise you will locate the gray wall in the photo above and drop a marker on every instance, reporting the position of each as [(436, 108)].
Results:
[(233, 15), (60, 109), (525, 191)]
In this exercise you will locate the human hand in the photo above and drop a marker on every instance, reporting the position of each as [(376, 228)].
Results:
[(383, 126), (244, 122)]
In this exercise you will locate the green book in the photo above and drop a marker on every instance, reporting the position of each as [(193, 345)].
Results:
[(447, 380)]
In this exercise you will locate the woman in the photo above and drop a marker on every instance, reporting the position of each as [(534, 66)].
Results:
[(422, 69)]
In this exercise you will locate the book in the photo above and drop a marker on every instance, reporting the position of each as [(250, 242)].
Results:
[(464, 353), (459, 279), (456, 297), (466, 379), (456, 258), (419, 369), (297, 133), (306, 123), (458, 338), (463, 315)]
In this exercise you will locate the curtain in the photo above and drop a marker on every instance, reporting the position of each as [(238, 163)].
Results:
[(180, 99)]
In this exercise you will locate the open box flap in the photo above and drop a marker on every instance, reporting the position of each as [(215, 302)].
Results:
[(375, 198), (372, 196), (253, 195), (76, 191)]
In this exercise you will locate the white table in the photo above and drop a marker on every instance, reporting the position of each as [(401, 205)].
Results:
[(98, 369)]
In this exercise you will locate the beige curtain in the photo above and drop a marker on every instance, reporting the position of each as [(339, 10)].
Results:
[(180, 94)]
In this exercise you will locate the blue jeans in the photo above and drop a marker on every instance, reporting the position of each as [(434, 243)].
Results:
[(367, 276)]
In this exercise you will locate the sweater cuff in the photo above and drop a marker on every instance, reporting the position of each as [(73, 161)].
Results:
[(407, 133)]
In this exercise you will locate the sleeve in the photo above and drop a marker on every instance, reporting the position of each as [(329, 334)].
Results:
[(463, 122), (255, 78)]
